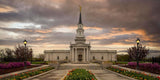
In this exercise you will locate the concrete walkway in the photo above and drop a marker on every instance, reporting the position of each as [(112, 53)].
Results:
[(54, 75), (98, 72), (106, 75)]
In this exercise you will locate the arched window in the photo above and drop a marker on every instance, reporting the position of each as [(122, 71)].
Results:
[(57, 57), (66, 57), (102, 57), (93, 57)]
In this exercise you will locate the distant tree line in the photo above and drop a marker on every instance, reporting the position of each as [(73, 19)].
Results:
[(20, 53), (39, 57)]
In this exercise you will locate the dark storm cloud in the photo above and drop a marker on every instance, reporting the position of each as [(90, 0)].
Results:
[(40, 12), (118, 39), (10, 41), (128, 14), (29, 34)]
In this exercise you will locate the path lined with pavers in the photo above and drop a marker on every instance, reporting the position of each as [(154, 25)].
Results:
[(106, 75), (94, 68), (54, 75)]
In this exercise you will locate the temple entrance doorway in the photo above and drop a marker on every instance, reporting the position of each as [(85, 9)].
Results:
[(80, 57)]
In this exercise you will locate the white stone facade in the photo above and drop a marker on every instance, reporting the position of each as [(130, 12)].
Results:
[(80, 52)]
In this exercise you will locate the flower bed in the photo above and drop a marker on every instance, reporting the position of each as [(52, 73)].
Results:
[(27, 74), (133, 74), (13, 65), (5, 71), (79, 74), (149, 67)]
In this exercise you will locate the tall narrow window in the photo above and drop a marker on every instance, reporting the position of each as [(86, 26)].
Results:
[(102, 57), (66, 57), (93, 57), (57, 57)]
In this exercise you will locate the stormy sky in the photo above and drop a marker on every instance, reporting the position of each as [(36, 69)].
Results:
[(52, 24)]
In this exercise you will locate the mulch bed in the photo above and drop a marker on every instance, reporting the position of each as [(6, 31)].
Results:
[(4, 71), (146, 70)]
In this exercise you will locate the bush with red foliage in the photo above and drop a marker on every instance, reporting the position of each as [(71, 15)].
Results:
[(13, 65), (155, 68)]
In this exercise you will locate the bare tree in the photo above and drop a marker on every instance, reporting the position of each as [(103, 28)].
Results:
[(9, 52), (2, 54), (142, 52), (23, 53)]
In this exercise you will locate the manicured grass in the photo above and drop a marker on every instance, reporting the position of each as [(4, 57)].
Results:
[(126, 62), (121, 62), (40, 62), (80, 74)]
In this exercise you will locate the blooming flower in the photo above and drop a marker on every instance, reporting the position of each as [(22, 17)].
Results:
[(158, 77)]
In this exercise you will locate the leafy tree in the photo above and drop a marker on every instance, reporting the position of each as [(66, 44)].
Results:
[(142, 52), (23, 53)]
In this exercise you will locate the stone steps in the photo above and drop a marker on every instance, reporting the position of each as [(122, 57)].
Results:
[(83, 66)]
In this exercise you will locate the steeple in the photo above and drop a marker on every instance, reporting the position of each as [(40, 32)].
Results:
[(80, 38), (80, 20)]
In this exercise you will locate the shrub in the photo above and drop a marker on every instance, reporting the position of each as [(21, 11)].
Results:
[(152, 67), (13, 65)]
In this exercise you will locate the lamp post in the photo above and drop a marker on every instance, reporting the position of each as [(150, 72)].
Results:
[(138, 41), (25, 43)]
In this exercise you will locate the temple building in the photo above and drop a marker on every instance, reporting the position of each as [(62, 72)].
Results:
[(80, 51)]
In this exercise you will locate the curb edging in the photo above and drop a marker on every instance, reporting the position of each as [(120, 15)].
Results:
[(121, 75), (39, 75)]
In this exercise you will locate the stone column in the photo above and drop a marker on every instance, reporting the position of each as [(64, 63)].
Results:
[(51, 57), (48, 56), (87, 55), (76, 55), (84, 54), (72, 54), (111, 57)]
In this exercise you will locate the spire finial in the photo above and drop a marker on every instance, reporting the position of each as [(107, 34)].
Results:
[(80, 8), (80, 21)]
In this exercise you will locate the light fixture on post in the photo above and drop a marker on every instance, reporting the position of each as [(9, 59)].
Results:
[(25, 43), (137, 54)]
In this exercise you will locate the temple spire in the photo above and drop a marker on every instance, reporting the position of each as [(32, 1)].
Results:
[(80, 20)]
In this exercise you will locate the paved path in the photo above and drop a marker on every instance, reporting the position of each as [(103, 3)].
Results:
[(106, 75), (99, 73), (54, 75)]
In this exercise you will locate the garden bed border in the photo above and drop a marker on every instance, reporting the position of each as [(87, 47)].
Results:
[(121, 75), (21, 71), (29, 78), (139, 71)]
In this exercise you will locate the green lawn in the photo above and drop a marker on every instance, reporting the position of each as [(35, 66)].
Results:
[(126, 62), (39, 62)]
